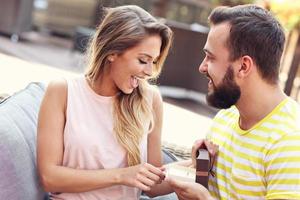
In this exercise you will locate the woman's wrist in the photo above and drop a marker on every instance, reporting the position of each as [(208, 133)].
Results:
[(117, 176)]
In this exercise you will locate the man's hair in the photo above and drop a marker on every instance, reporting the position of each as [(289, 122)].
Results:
[(256, 33)]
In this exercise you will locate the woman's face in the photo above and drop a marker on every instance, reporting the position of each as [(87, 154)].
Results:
[(127, 69)]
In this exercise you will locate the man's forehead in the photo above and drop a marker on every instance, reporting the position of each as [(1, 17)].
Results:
[(218, 34)]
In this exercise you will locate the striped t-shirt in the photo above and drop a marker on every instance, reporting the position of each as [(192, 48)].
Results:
[(260, 163)]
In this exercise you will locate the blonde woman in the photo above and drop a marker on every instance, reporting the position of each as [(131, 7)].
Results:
[(99, 134)]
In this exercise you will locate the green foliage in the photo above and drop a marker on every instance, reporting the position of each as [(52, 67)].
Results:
[(288, 12)]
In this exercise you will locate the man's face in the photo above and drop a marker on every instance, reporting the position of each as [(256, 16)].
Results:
[(225, 94), (223, 91)]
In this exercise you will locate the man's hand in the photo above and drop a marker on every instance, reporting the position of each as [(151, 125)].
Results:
[(189, 190), (206, 144)]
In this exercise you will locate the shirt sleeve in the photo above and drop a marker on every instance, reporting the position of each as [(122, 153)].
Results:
[(282, 165)]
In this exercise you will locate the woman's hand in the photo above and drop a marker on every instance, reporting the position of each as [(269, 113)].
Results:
[(143, 176)]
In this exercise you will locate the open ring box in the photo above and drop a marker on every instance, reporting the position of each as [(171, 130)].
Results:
[(198, 175)]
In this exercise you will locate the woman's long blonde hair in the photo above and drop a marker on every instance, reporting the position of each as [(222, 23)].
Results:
[(122, 28)]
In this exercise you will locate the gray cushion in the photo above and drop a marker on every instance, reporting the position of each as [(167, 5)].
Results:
[(18, 121)]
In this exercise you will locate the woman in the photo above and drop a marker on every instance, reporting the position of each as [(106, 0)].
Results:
[(99, 135)]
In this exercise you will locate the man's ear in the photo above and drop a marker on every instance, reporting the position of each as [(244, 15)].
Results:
[(246, 66)]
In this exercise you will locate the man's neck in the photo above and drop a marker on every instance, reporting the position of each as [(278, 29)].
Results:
[(257, 103)]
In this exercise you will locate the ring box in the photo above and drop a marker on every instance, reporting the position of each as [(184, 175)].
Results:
[(181, 173), (198, 175), (202, 167)]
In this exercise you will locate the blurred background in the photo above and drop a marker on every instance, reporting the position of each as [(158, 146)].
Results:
[(55, 33)]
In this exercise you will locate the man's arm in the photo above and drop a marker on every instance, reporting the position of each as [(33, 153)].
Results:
[(189, 190)]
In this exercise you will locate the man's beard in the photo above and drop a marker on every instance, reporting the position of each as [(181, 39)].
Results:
[(226, 94)]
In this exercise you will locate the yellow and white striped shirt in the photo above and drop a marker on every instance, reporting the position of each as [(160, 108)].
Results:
[(260, 163)]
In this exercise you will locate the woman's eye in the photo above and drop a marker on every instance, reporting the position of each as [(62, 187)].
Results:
[(142, 62)]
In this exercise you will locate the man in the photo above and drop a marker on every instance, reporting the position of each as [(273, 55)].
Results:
[(258, 129)]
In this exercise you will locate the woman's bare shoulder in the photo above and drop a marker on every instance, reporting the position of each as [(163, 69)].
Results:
[(155, 95), (56, 91)]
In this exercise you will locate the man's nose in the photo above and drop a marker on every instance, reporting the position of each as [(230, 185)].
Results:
[(203, 67)]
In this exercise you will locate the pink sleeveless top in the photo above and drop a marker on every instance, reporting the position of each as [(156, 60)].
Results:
[(90, 143)]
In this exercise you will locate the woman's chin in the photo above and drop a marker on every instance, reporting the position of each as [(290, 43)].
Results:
[(128, 91)]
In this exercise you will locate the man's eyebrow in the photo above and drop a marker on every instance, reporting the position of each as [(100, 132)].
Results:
[(207, 51)]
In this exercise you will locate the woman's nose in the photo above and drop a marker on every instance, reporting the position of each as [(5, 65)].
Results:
[(148, 70)]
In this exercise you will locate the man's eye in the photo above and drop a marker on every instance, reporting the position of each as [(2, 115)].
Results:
[(142, 62)]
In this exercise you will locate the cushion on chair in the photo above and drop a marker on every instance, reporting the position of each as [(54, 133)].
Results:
[(18, 122)]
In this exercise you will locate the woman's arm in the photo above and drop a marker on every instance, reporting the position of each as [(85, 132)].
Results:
[(154, 137), (50, 148), (154, 144)]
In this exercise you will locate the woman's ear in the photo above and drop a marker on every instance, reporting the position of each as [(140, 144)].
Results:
[(111, 57), (246, 66)]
